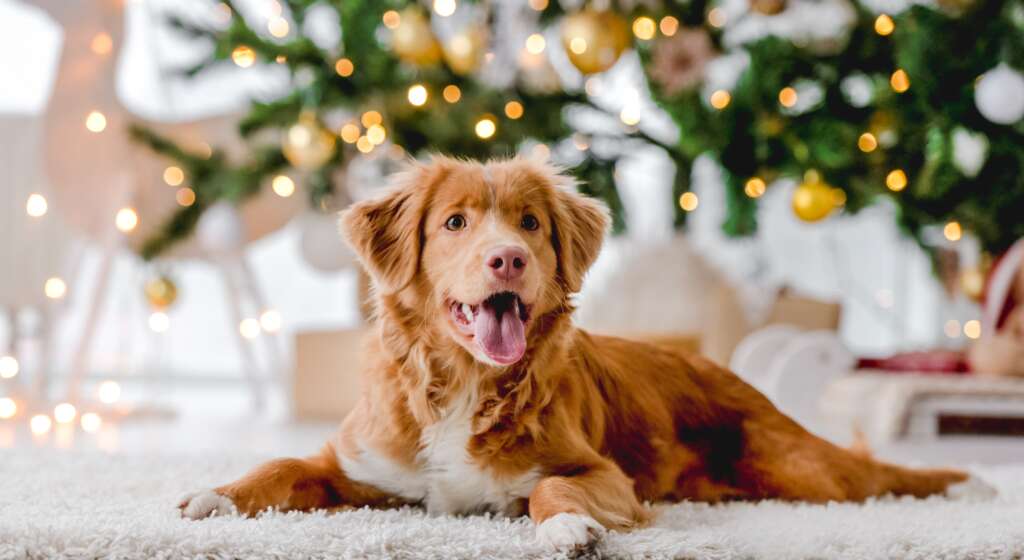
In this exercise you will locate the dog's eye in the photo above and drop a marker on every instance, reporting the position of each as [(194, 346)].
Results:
[(530, 222), (455, 222)]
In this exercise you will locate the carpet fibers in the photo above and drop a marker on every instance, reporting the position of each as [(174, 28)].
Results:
[(90, 505)]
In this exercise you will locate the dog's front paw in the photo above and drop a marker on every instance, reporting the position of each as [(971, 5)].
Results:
[(972, 489), (568, 530), (207, 503)]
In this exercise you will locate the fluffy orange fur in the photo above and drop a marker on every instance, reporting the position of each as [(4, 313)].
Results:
[(604, 423)]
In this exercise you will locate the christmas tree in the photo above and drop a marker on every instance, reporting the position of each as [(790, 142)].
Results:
[(923, 106)]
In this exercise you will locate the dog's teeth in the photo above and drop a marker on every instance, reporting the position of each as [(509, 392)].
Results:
[(467, 310)]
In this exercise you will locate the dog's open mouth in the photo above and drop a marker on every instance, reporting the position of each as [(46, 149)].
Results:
[(497, 325)]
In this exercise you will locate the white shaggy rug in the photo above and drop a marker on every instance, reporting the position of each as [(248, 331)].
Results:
[(89, 505)]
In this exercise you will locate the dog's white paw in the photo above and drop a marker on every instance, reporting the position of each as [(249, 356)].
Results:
[(207, 503), (568, 530), (972, 489)]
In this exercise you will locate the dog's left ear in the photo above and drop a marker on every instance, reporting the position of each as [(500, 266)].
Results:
[(580, 224), (385, 233)]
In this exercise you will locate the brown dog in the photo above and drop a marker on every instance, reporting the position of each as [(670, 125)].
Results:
[(482, 396)]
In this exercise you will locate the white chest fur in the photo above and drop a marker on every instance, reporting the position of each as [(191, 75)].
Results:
[(445, 477)]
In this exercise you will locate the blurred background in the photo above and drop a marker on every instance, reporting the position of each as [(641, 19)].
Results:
[(826, 195)]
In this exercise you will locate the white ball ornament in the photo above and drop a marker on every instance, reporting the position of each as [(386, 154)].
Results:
[(999, 95), (320, 242), (220, 229)]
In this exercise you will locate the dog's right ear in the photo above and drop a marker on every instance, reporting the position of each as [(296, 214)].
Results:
[(386, 232)]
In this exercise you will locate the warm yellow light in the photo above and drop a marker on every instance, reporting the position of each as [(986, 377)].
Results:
[(899, 81), (159, 322), (644, 28), (55, 288), (417, 95), (444, 8), (513, 110), (539, 5), (271, 320), (344, 67), (91, 422), (40, 424), (578, 45), (952, 328), (36, 205), (278, 27), (392, 19), (350, 133), (486, 127), (109, 392), (535, 43), (101, 44), (884, 25), (376, 134), (9, 367), (8, 408), (755, 187), (185, 197), (972, 329), (867, 142), (896, 180), (174, 176), (579, 141), (720, 99), (629, 115), (371, 118), (280, 59), (787, 97), (64, 413), (688, 201), (95, 121), (668, 25), (953, 231), (364, 145), (283, 186), (716, 17), (243, 56), (451, 93), (249, 328), (126, 219)]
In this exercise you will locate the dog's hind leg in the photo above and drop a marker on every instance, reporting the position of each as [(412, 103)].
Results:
[(284, 484)]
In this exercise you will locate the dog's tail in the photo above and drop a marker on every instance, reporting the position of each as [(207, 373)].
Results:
[(904, 481)]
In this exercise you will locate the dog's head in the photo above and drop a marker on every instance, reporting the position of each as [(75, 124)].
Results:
[(480, 251)]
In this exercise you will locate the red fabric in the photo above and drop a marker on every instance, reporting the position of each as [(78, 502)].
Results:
[(935, 361), (1010, 302)]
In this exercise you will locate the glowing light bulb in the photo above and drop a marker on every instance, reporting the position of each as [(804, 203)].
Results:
[(376, 134), (688, 201), (9, 367), (371, 118), (720, 99), (109, 392), (787, 97), (126, 220), (55, 288), (417, 95), (452, 93), (270, 320), (392, 19), (344, 67), (185, 197), (8, 408), (513, 110), (535, 43), (896, 180), (953, 231), (644, 28), (444, 8), (364, 145), (972, 329), (243, 56), (174, 176), (899, 81), (884, 25), (539, 5), (755, 187), (668, 26), (578, 45), (91, 422), (867, 142), (278, 27), (249, 328), (630, 115), (36, 205), (485, 127), (40, 424), (101, 44), (64, 413), (350, 133), (95, 121), (716, 17), (283, 186)]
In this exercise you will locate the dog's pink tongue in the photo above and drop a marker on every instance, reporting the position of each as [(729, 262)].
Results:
[(504, 340)]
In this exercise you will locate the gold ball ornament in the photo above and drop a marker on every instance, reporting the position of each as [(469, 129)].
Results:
[(306, 144), (594, 40), (161, 292), (768, 7), (814, 200), (465, 51), (413, 41)]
